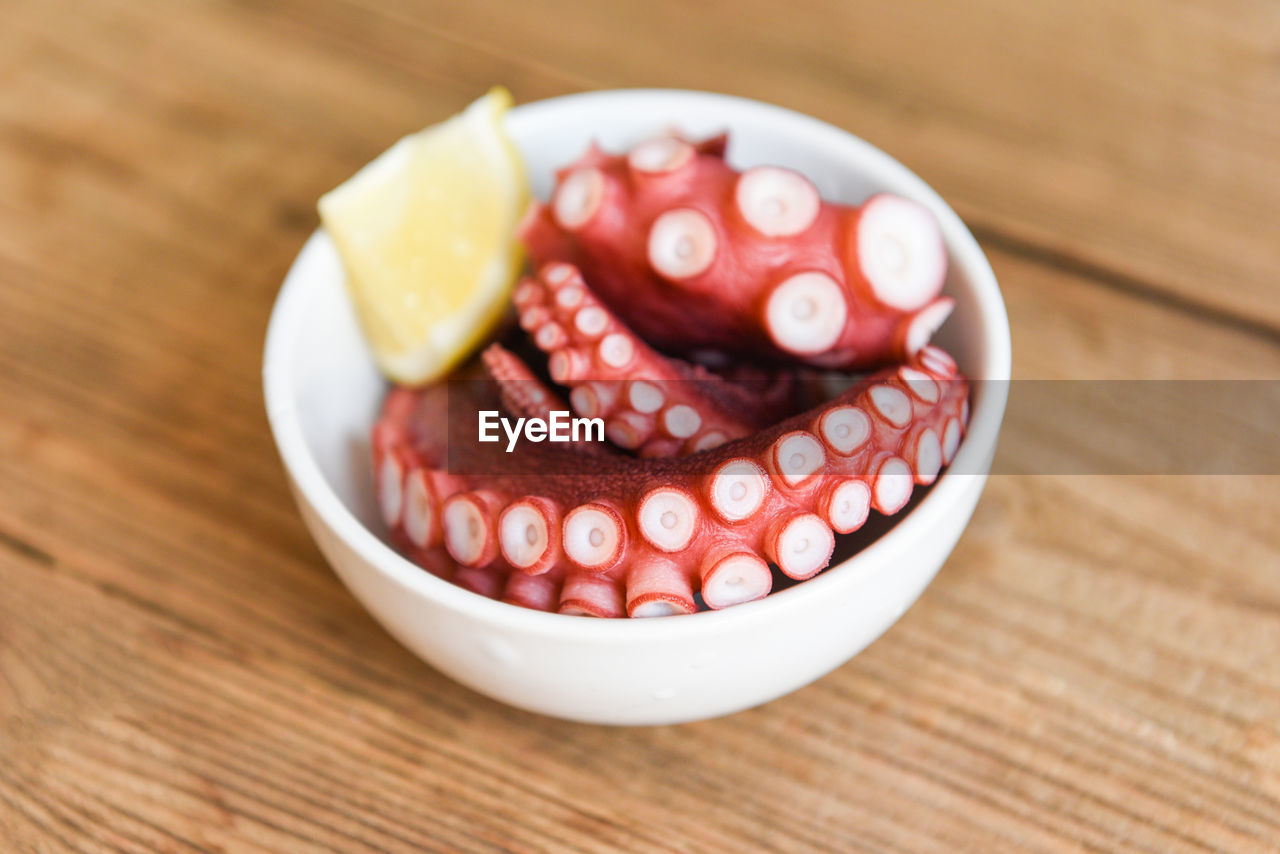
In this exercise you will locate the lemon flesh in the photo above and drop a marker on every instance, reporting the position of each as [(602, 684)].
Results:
[(426, 233)]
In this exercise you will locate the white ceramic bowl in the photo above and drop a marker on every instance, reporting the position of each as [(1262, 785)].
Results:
[(323, 392)]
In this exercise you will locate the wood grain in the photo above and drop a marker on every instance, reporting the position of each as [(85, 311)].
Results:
[(1096, 669)]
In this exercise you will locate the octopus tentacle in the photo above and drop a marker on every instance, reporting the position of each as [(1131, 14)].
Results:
[(639, 537), (652, 404), (692, 254), (522, 393)]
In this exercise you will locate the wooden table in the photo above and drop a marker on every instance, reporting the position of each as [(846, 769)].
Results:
[(1097, 667)]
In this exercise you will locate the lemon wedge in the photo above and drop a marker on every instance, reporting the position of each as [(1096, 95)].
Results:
[(426, 233)]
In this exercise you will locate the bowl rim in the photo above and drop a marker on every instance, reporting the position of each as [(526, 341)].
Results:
[(878, 556)]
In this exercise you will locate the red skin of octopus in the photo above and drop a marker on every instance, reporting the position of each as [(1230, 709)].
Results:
[(695, 256), (652, 404), (631, 537)]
